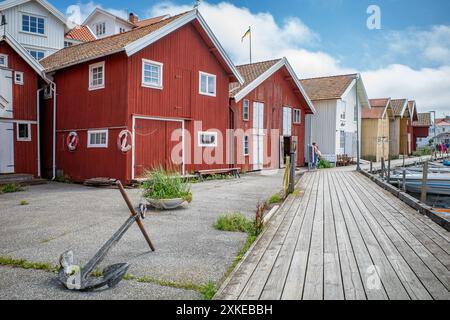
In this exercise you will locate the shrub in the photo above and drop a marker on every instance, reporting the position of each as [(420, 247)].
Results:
[(235, 222), (276, 198), (11, 188), (425, 151), (324, 164), (163, 185)]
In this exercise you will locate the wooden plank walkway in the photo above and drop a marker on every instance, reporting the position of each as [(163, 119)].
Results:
[(344, 238)]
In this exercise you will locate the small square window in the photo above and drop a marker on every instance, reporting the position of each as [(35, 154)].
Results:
[(152, 74), (207, 84), (3, 60), (97, 76), (18, 78), (297, 116), (207, 139), (23, 132), (246, 110), (246, 146), (98, 139)]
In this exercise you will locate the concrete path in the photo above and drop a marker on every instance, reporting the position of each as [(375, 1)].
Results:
[(344, 238)]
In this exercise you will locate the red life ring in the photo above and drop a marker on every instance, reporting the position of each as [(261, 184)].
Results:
[(72, 141), (124, 141)]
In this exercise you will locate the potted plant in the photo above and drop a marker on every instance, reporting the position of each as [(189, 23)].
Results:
[(165, 190)]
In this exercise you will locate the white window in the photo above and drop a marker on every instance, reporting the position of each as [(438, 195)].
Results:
[(100, 28), (68, 44), (246, 146), (207, 139), (98, 139), (97, 76), (23, 131), (18, 78), (207, 84), (344, 108), (122, 30), (342, 140), (297, 116), (33, 24), (3, 60), (246, 110), (152, 74), (37, 54)]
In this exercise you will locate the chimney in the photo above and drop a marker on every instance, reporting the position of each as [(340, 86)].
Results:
[(133, 18)]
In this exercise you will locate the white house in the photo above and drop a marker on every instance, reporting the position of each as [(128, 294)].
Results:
[(36, 24), (334, 126)]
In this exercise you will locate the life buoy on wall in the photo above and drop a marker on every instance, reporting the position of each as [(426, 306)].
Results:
[(72, 141), (124, 139)]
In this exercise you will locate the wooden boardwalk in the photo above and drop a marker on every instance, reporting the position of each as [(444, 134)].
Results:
[(344, 238)]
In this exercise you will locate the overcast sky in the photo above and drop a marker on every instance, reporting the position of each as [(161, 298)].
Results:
[(409, 57)]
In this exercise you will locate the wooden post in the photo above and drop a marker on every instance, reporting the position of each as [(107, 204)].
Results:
[(423, 198), (292, 173), (389, 171), (404, 180), (371, 167)]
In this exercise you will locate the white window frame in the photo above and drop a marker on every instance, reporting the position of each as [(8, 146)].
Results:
[(208, 76), (248, 110), (34, 16), (29, 132), (5, 57), (90, 132), (91, 68), (246, 145), (342, 135), (202, 145), (20, 81), (299, 113), (100, 24), (36, 50), (149, 84)]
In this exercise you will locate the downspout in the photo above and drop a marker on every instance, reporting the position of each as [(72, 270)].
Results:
[(38, 126), (358, 149), (53, 88)]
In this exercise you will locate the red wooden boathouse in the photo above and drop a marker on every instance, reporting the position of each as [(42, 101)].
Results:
[(270, 109), (121, 98)]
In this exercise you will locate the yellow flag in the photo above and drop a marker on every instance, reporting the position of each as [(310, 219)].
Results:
[(248, 33)]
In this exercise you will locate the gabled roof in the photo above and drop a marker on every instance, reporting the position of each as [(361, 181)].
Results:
[(149, 21), (21, 51), (81, 33), (423, 120), (135, 40), (412, 110), (47, 5), (379, 109), (335, 87), (399, 106), (256, 73), (106, 13)]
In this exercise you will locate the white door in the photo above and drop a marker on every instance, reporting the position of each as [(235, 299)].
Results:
[(6, 96), (287, 122), (6, 147), (258, 136)]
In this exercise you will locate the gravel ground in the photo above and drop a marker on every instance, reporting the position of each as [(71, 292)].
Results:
[(60, 217)]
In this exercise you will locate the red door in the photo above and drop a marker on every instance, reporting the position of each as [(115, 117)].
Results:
[(154, 146)]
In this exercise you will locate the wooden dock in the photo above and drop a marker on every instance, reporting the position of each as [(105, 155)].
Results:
[(344, 238)]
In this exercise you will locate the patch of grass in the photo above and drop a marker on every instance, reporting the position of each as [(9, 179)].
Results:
[(24, 264), (163, 185), (208, 290), (24, 203), (276, 198), (11, 188), (425, 151), (234, 222)]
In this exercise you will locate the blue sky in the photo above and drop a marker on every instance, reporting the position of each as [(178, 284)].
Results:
[(409, 56)]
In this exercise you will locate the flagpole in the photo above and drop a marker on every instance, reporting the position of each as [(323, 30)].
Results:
[(250, 28)]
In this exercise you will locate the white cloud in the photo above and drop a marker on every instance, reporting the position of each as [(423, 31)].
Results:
[(77, 13)]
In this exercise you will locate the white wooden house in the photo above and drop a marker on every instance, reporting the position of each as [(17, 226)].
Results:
[(36, 24), (334, 126)]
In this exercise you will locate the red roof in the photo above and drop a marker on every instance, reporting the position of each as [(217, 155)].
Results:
[(81, 33)]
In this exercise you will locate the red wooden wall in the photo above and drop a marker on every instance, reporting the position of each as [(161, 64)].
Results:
[(419, 132), (276, 92)]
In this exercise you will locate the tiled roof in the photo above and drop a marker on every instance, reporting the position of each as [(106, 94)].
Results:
[(424, 120), (101, 47), (397, 106), (250, 72), (327, 88), (379, 102), (147, 22), (81, 33), (443, 122)]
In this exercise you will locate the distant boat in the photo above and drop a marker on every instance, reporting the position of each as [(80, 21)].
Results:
[(436, 183), (430, 169)]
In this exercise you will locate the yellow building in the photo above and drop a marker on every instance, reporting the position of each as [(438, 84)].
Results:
[(375, 130), (398, 128)]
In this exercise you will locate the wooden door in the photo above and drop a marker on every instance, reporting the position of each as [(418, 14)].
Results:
[(6, 147), (6, 94)]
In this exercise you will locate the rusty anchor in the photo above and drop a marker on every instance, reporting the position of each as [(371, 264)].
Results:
[(80, 279)]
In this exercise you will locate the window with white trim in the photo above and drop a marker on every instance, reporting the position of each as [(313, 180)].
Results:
[(37, 54), (207, 139), (23, 131), (97, 76), (207, 84), (100, 28), (18, 78), (297, 116), (3, 60), (246, 110), (246, 146), (152, 74), (98, 139), (33, 24), (342, 139)]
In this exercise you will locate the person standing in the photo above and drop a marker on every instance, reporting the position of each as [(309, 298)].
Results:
[(316, 154)]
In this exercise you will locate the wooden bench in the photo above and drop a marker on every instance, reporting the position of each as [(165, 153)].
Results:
[(236, 172)]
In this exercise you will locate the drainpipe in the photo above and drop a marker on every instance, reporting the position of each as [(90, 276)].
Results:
[(53, 88), (358, 155), (38, 126)]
